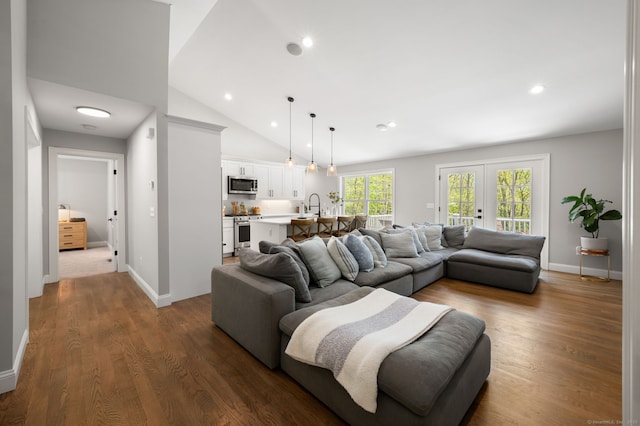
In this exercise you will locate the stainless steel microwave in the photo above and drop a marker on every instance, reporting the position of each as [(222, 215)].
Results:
[(242, 185)]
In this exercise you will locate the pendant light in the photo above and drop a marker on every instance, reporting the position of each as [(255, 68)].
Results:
[(332, 170), (312, 167), (289, 162)]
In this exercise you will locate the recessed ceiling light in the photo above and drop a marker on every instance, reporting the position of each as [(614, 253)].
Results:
[(307, 42), (537, 89), (382, 127), (391, 124), (89, 127), (228, 96), (294, 49), (93, 112), (274, 124)]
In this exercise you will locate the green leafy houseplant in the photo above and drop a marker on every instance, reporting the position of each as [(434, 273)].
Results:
[(590, 210)]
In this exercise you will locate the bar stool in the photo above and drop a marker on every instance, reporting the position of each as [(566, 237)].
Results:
[(360, 221), (325, 226), (301, 229), (344, 225)]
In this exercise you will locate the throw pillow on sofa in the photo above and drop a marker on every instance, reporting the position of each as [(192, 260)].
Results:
[(433, 234), (295, 255), (414, 236), (398, 245), (379, 258), (453, 235), (343, 258), (360, 252), (279, 266), (322, 269)]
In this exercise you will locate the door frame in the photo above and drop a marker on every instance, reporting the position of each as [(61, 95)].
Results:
[(546, 163), (54, 154)]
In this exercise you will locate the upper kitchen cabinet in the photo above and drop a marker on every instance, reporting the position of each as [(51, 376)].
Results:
[(270, 181), (294, 183), (236, 168)]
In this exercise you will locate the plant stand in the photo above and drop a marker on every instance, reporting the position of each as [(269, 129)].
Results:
[(599, 253)]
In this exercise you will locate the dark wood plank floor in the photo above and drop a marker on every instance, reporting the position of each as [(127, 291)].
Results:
[(101, 353)]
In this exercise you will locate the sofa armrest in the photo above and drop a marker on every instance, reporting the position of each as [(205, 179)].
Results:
[(248, 307)]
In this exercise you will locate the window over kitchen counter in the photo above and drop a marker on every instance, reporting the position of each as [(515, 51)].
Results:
[(369, 194)]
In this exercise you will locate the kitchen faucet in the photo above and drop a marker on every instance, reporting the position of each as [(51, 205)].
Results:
[(314, 205)]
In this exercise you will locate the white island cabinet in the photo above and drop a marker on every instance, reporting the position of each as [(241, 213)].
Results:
[(274, 229)]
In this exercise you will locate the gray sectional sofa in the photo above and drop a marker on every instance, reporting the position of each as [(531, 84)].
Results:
[(261, 301)]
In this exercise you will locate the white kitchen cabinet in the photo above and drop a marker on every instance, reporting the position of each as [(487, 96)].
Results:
[(227, 236), (237, 168), (294, 183), (275, 181), (270, 181)]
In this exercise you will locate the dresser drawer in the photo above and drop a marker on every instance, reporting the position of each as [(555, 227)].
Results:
[(72, 235)]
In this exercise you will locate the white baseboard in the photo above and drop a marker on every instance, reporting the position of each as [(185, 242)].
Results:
[(159, 301), (9, 378), (94, 244), (573, 269)]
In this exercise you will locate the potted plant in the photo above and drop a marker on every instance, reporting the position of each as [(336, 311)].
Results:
[(335, 199), (591, 212)]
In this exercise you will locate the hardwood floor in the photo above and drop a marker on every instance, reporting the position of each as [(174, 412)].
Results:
[(101, 353)]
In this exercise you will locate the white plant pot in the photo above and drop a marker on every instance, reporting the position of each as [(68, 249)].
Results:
[(594, 244)]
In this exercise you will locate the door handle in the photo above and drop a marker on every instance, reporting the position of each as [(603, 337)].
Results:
[(478, 217), (110, 220)]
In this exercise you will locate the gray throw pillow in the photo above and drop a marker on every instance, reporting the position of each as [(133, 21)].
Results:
[(414, 235), (379, 258), (504, 242), (399, 245), (295, 255), (454, 235), (265, 246), (373, 234), (279, 266), (341, 255), (360, 252), (422, 237), (322, 269), (434, 236)]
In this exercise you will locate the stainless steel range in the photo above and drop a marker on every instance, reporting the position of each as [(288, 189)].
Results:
[(242, 231)]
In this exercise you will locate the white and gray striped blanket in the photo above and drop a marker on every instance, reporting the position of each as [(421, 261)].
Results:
[(352, 340)]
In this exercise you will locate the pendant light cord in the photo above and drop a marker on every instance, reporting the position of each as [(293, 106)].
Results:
[(290, 99)]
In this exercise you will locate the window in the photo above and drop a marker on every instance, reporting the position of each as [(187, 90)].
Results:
[(369, 194), (513, 196)]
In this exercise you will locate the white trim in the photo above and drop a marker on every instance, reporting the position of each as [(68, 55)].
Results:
[(54, 153), (573, 269), (630, 215), (9, 378), (159, 301), (94, 244)]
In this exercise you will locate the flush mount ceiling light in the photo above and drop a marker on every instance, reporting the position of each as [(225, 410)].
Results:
[(307, 42), (382, 127), (289, 162), (228, 96), (89, 126), (537, 89), (391, 124), (93, 112), (312, 167)]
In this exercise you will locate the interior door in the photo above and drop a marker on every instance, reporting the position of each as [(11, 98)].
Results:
[(462, 196), (113, 213)]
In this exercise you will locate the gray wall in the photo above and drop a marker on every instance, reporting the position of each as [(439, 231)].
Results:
[(82, 184), (592, 160)]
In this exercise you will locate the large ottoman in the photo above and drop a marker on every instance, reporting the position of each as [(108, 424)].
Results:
[(434, 380)]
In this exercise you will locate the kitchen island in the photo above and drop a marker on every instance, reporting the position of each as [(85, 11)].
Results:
[(274, 229)]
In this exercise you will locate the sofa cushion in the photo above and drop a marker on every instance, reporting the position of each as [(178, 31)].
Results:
[(445, 253), (320, 295), (265, 246), (360, 252), (322, 269), (279, 266), (372, 233), (295, 255), (398, 245), (504, 242), (495, 260), (341, 255), (426, 260), (378, 276), (453, 235), (379, 258)]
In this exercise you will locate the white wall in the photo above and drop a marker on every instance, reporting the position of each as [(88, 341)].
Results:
[(592, 160), (14, 97), (36, 219), (195, 222), (82, 183), (142, 235), (237, 141)]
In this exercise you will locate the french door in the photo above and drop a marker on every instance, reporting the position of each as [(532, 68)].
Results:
[(505, 195)]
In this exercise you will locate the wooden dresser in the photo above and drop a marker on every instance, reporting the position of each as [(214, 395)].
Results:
[(72, 235)]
